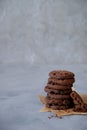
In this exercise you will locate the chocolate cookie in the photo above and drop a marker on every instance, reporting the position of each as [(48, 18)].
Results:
[(79, 105), (76, 98), (57, 107), (54, 86), (57, 96), (59, 102), (61, 74), (80, 108), (56, 91), (61, 81)]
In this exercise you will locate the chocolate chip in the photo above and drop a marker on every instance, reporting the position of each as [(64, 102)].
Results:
[(52, 92), (61, 92), (53, 83), (54, 73)]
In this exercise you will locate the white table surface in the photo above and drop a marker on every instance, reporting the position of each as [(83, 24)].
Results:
[(20, 85)]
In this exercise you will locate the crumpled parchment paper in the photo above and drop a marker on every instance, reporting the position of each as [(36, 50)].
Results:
[(60, 113)]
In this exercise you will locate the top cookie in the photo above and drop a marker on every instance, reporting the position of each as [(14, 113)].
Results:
[(61, 74)]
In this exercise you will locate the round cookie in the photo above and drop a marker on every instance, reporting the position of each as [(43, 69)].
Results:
[(54, 86), (62, 82), (76, 98), (56, 101), (56, 96), (57, 107), (56, 91), (79, 105), (61, 74)]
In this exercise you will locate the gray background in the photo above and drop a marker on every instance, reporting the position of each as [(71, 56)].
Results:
[(43, 31), (36, 37)]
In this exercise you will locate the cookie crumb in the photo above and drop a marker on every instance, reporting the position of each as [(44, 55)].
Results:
[(50, 117)]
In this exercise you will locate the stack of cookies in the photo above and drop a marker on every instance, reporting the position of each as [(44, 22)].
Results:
[(58, 90)]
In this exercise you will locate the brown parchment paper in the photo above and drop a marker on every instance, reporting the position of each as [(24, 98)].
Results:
[(60, 113)]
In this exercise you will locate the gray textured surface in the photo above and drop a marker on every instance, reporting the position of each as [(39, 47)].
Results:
[(37, 36), (43, 31), (20, 85)]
